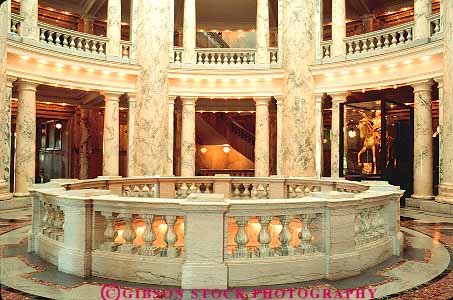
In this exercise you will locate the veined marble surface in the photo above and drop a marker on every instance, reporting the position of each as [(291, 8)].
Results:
[(114, 27), (299, 116), (422, 12), (29, 27), (151, 134)]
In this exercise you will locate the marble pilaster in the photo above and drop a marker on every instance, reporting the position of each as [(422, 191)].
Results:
[(188, 136), (423, 146), (151, 104), (280, 30), (171, 120), (279, 134), (114, 28), (338, 28), (171, 31), (319, 28), (29, 26), (262, 32), (111, 136), (337, 99), (84, 138), (189, 32), (440, 86), (133, 27), (131, 136), (422, 12), (299, 143), (25, 138), (319, 136), (262, 137), (446, 185)]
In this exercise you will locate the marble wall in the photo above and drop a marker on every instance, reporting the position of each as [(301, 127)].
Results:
[(151, 132), (299, 142)]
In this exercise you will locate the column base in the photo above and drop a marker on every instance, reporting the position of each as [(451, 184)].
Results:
[(414, 200), (4, 191), (16, 202)]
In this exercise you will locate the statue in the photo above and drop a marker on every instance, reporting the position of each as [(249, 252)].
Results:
[(370, 130)]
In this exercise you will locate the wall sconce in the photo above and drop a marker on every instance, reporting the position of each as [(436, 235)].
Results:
[(58, 125), (226, 149), (352, 133), (204, 150)]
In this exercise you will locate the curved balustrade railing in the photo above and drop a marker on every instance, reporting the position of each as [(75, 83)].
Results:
[(225, 56), (215, 232)]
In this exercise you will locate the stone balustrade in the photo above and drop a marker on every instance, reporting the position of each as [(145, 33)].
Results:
[(126, 48), (215, 232), (16, 21), (436, 25), (72, 40), (225, 56), (273, 53), (379, 40), (326, 48)]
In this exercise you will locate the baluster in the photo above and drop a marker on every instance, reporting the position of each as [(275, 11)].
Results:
[(307, 190), (349, 48), (253, 192), (305, 235), (184, 190), (177, 57), (298, 192), (386, 41), (230, 59), (58, 40), (50, 37), (148, 236), (241, 238), (328, 51), (199, 59), (13, 27), (42, 36), (394, 40), (110, 233), (146, 191), (171, 237), (402, 39), (367, 45), (260, 192), (236, 192), (291, 192), (409, 34), (65, 41), (224, 58), (436, 26), (128, 234), (193, 189), (264, 237), (77, 44), (285, 236), (92, 46)]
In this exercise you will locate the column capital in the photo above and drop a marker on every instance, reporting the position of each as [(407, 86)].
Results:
[(189, 100), (262, 100), (30, 85), (422, 85), (340, 97), (171, 99), (131, 97), (279, 99), (10, 80), (440, 81), (111, 96)]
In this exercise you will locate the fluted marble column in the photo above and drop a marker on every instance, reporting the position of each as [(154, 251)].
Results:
[(111, 136), (319, 136), (189, 32), (133, 27), (25, 138), (299, 143), (29, 26), (151, 104), (114, 28), (171, 120), (446, 185), (262, 32), (279, 133), (262, 137), (337, 99), (423, 145), (188, 136), (131, 136), (338, 28), (422, 12), (84, 138)]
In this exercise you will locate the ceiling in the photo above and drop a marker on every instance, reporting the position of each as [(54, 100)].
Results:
[(226, 14)]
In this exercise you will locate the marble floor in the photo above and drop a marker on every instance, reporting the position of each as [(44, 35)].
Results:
[(422, 272)]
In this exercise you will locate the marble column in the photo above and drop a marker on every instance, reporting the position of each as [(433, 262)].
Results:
[(279, 134), (262, 137), (423, 141), (188, 136), (280, 31), (29, 26), (299, 143), (337, 99), (25, 138), (446, 185), (171, 31), (189, 32), (84, 138), (422, 12), (171, 120), (319, 136), (319, 28), (262, 32), (440, 86), (133, 27), (111, 136), (151, 104), (338, 28), (131, 136), (114, 28)]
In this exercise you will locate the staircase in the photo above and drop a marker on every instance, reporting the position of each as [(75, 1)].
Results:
[(216, 40), (237, 136)]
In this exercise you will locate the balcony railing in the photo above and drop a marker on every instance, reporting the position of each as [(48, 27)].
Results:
[(226, 56), (16, 22), (436, 25)]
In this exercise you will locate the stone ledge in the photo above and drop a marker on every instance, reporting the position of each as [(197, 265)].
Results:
[(15, 202), (437, 207)]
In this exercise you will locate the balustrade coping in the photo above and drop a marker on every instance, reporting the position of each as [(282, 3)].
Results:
[(226, 50), (72, 32), (392, 29)]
